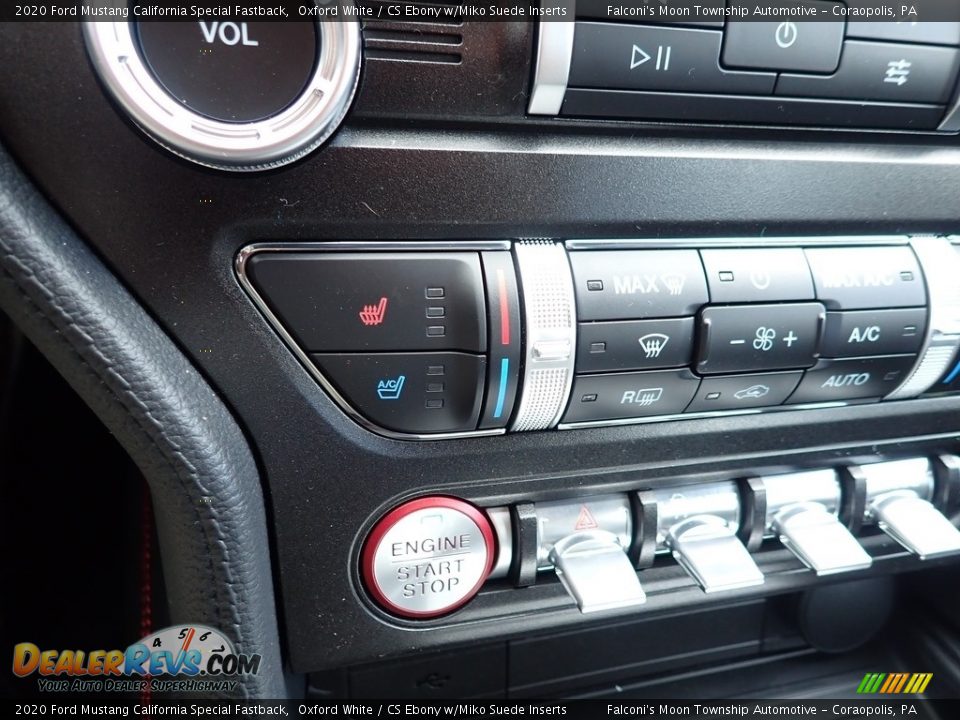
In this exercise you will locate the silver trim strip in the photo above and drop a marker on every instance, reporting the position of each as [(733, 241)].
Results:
[(240, 264), (940, 264), (552, 63), (550, 333), (708, 243), (951, 121), (707, 415), (272, 142)]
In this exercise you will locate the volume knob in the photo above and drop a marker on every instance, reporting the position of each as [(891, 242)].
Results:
[(227, 93)]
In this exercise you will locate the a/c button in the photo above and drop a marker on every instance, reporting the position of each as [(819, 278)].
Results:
[(833, 380)]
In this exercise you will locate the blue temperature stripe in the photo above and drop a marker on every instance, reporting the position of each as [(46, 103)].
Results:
[(953, 374), (502, 392)]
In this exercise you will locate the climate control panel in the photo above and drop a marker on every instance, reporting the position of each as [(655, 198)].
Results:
[(451, 339)]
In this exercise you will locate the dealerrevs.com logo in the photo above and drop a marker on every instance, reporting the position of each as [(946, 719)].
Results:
[(180, 658)]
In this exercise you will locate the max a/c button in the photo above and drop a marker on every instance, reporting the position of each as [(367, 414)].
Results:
[(834, 380)]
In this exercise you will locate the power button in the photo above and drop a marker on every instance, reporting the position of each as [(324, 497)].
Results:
[(428, 557)]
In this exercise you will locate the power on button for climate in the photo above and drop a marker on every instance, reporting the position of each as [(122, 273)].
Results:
[(428, 557)]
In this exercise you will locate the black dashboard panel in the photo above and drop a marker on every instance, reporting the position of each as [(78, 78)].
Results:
[(480, 171)]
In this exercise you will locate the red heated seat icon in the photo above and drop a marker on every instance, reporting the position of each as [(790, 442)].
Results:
[(373, 314)]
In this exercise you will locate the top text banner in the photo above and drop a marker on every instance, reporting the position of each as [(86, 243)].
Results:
[(653, 11)]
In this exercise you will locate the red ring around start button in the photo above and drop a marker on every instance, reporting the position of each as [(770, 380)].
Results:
[(428, 557)]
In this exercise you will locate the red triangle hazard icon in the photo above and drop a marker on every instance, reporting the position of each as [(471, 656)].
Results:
[(585, 520)]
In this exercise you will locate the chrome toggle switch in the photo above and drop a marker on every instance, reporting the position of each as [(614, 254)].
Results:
[(586, 543), (898, 500), (803, 511), (699, 526), (594, 568)]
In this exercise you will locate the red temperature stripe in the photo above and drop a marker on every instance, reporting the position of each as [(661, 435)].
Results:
[(504, 309)]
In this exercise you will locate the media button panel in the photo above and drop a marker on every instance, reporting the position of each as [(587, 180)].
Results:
[(822, 74), (428, 340)]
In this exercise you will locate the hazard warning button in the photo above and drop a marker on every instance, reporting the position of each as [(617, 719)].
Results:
[(428, 557), (557, 520)]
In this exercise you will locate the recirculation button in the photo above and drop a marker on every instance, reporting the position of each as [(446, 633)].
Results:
[(428, 557)]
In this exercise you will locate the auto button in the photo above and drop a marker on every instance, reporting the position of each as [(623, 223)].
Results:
[(833, 380)]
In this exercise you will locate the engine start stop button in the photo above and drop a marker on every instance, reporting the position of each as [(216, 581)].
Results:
[(428, 557)]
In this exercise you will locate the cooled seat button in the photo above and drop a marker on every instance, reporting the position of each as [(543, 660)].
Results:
[(428, 557), (410, 392)]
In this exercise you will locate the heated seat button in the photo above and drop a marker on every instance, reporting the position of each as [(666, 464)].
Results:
[(873, 332), (634, 344), (231, 71), (630, 395), (391, 301), (741, 338), (761, 275), (882, 71), (636, 284), (799, 46), (410, 392), (832, 380), (855, 278), (652, 57), (428, 557), (736, 392)]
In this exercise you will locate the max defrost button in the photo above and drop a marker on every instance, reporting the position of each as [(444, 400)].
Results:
[(428, 557), (636, 284)]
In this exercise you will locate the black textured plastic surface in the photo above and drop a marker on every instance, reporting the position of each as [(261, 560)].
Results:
[(171, 230)]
